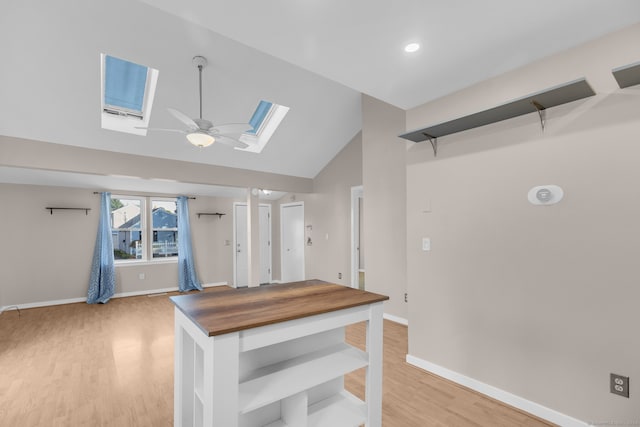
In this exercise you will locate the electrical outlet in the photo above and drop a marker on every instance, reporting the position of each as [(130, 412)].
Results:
[(619, 385), (406, 297), (339, 275)]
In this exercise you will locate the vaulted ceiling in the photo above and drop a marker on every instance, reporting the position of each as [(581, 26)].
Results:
[(315, 57)]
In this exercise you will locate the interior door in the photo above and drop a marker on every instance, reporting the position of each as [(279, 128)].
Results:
[(265, 243), (292, 227), (242, 245)]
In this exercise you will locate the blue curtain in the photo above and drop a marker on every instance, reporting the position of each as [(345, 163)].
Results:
[(102, 282), (187, 279)]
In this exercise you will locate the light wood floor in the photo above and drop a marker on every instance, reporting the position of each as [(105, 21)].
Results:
[(112, 365)]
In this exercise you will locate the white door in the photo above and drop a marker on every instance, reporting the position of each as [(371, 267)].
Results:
[(357, 248), (265, 243), (292, 241), (241, 242)]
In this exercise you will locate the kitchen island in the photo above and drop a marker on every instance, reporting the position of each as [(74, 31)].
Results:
[(275, 355)]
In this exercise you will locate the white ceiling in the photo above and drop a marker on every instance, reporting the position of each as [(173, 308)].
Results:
[(359, 43), (313, 56)]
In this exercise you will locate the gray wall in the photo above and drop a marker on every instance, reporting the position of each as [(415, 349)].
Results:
[(540, 301), (384, 181), (328, 211), (48, 257)]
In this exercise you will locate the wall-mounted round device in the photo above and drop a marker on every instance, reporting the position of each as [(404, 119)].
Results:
[(545, 195)]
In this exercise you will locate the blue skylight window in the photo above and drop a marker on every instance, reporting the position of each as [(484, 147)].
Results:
[(127, 91), (265, 121), (125, 84), (259, 115)]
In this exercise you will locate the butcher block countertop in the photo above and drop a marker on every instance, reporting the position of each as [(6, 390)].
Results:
[(222, 310)]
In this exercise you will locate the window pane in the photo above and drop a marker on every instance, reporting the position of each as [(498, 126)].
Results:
[(124, 84), (126, 228), (165, 228)]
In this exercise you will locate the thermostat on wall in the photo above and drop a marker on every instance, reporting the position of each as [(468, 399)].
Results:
[(545, 195)]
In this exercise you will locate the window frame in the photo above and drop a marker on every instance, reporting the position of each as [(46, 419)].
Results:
[(152, 229), (146, 225)]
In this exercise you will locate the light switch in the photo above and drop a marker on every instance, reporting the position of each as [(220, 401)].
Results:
[(426, 244)]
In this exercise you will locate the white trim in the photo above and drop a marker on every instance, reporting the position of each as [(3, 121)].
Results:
[(139, 262), (396, 319), (234, 243), (304, 243), (235, 247), (270, 238), (84, 299), (498, 394), (356, 194)]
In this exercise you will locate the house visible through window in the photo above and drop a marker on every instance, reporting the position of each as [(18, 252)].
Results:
[(165, 227), (144, 228)]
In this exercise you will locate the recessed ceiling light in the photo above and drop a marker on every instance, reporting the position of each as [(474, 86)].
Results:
[(411, 47)]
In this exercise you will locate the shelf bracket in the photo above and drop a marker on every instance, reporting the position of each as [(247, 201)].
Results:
[(434, 143), (542, 113)]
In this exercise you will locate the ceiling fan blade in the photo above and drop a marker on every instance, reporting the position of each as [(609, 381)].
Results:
[(162, 129), (231, 128), (183, 118), (230, 141)]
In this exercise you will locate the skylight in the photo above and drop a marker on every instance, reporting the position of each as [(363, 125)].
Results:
[(265, 121), (124, 85), (127, 94)]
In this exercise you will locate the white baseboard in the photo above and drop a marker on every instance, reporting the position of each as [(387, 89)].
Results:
[(84, 299), (498, 394), (211, 285), (396, 319)]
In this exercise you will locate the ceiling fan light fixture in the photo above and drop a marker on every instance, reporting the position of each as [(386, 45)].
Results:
[(412, 47), (200, 139)]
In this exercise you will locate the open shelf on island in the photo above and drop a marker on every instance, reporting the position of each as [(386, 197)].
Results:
[(343, 409), (275, 382)]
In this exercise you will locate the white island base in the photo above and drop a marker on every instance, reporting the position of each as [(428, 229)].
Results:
[(289, 373)]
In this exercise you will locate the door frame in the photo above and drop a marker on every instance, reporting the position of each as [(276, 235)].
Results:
[(235, 243), (357, 192), (282, 206), (270, 237)]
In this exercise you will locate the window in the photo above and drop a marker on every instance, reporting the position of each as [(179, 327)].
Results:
[(128, 90), (127, 225), (265, 121), (164, 217), (124, 86), (144, 228)]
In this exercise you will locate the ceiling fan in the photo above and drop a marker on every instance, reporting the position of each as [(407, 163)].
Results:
[(201, 132)]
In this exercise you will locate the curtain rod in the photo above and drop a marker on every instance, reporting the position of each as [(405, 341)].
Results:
[(100, 192)]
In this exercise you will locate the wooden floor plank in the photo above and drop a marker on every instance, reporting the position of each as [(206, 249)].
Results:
[(112, 365)]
